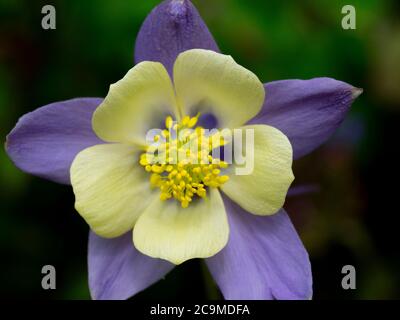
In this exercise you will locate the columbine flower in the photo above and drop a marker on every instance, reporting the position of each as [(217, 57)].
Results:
[(176, 209)]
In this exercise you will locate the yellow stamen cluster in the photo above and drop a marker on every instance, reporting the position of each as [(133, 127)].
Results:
[(180, 161)]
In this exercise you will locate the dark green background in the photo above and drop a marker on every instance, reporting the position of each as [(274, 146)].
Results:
[(353, 219)]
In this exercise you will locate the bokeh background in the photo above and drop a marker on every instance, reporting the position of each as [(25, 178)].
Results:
[(349, 218)]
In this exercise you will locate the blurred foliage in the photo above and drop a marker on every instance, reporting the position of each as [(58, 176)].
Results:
[(349, 221)]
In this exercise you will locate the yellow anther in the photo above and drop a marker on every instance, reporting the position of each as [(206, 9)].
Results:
[(157, 169), (168, 122), (143, 162), (201, 193), (193, 121), (185, 120), (165, 133), (213, 184), (223, 179), (223, 164), (164, 196), (216, 171), (180, 165), (185, 204), (196, 169), (155, 179)]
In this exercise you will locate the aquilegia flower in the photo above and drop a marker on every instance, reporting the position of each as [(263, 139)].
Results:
[(146, 215)]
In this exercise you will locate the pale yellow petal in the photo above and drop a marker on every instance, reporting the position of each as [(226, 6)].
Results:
[(135, 104), (263, 191), (111, 188), (207, 81), (169, 232)]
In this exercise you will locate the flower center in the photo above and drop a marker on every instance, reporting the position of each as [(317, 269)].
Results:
[(181, 161)]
